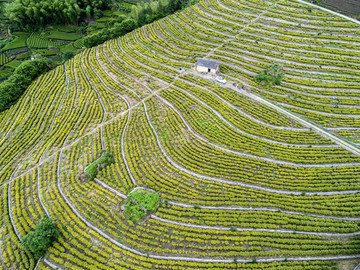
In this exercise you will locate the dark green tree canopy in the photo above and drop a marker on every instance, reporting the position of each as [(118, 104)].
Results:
[(68, 55), (32, 68), (270, 76), (42, 12), (39, 241), (12, 89), (118, 29)]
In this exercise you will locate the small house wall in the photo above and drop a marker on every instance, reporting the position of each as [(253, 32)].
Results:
[(205, 69)]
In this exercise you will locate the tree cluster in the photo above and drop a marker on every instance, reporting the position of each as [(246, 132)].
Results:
[(39, 241), (147, 12), (140, 203), (12, 89), (30, 13), (118, 29), (141, 14), (270, 76), (92, 170)]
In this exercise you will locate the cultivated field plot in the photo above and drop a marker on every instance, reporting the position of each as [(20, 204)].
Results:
[(242, 185)]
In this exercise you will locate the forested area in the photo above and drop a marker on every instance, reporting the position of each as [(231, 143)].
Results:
[(29, 13), (141, 14), (145, 13), (120, 28), (12, 89)]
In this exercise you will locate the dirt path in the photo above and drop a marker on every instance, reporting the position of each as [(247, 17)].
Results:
[(320, 130), (249, 229)]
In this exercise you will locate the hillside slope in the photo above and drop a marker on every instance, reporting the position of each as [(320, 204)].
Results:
[(242, 185)]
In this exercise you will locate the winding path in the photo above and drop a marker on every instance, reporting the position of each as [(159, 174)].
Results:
[(251, 186), (180, 257), (320, 130), (238, 208), (217, 228)]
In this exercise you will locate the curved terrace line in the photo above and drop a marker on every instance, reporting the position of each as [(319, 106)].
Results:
[(251, 186), (243, 229)]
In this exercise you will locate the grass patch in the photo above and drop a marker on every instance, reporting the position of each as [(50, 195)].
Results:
[(63, 36), (13, 64), (140, 203), (270, 76), (68, 48), (67, 28), (104, 19), (92, 170), (24, 56), (18, 42), (79, 43)]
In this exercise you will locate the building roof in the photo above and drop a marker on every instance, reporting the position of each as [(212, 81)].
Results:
[(207, 63)]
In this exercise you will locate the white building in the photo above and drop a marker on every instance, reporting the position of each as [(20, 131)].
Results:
[(207, 66)]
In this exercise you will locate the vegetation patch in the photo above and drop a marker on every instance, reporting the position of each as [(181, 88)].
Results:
[(69, 48), (46, 52), (18, 42), (24, 56), (4, 59), (39, 40), (28, 14), (12, 89), (92, 170), (79, 43), (141, 203), (39, 241), (17, 51), (63, 36), (13, 64), (66, 28), (270, 76)]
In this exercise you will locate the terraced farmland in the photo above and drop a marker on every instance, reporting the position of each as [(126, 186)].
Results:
[(261, 180)]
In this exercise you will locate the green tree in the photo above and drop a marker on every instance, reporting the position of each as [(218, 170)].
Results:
[(270, 76), (32, 68), (39, 241), (162, 6), (41, 12), (6, 95), (12, 89), (128, 25), (174, 5), (88, 11), (68, 55)]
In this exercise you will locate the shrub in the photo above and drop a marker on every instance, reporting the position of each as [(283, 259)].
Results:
[(270, 76), (68, 55), (12, 89), (140, 203), (39, 241), (92, 170)]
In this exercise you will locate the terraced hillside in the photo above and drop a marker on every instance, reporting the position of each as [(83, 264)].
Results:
[(244, 183)]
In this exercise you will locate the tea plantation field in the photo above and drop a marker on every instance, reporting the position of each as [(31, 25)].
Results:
[(237, 180)]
